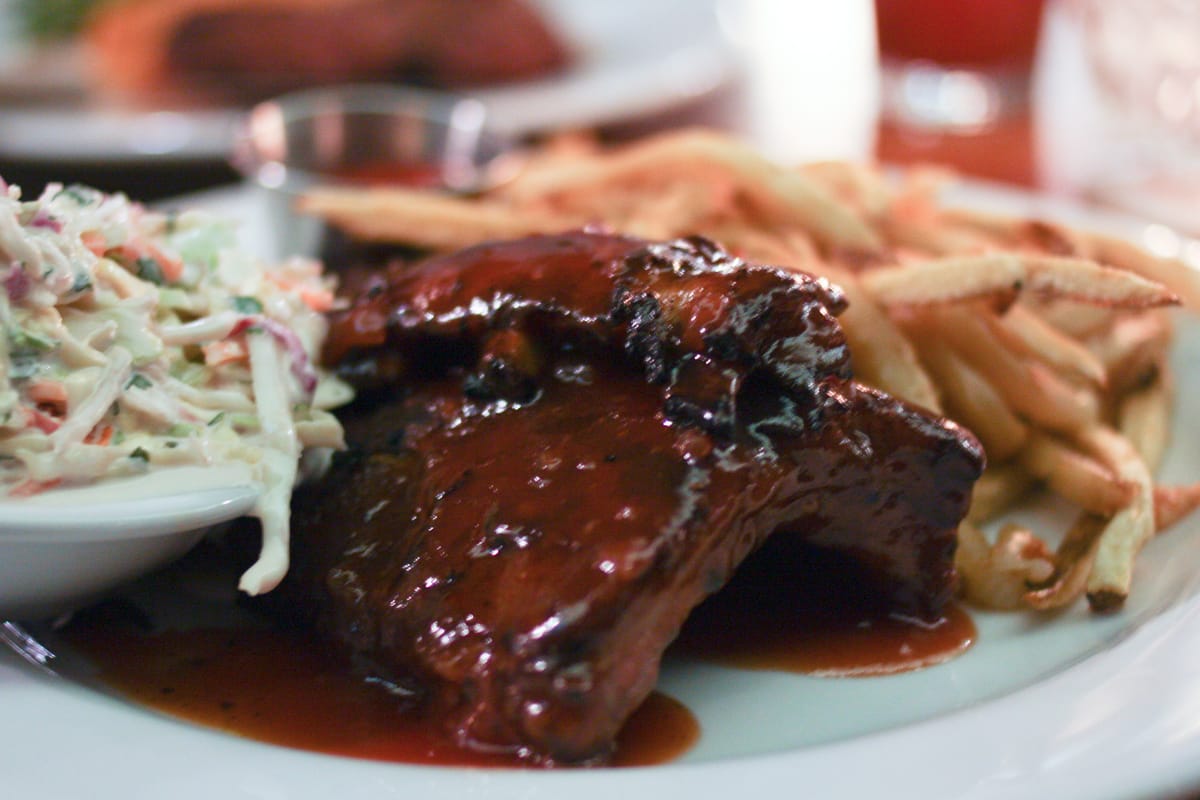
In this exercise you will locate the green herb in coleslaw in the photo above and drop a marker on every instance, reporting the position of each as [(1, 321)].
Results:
[(128, 343)]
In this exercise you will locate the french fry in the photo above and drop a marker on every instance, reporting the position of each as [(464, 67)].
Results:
[(806, 255), (424, 219), (1132, 349), (673, 211), (1144, 418), (1022, 234), (1173, 503), (857, 184), (999, 576), (881, 353), (1073, 563), (1074, 319), (1033, 392), (1128, 530), (972, 399), (1001, 486), (932, 238), (1076, 476), (1001, 227), (1180, 278), (957, 278), (783, 195), (757, 245), (1031, 334), (1021, 329), (1053, 239)]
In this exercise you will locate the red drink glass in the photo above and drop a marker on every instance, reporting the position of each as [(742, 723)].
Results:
[(956, 64)]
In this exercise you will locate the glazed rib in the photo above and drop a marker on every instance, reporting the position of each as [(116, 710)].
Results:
[(567, 443)]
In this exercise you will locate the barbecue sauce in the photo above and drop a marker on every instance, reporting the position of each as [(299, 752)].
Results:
[(416, 175), (824, 462), (283, 688), (813, 612), (279, 687), (825, 642)]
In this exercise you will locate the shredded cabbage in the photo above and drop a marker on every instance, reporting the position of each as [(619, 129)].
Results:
[(132, 340)]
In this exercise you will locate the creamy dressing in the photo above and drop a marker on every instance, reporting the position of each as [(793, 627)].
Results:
[(134, 342)]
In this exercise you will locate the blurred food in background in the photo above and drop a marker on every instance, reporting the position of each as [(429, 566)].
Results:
[(223, 50), (47, 20)]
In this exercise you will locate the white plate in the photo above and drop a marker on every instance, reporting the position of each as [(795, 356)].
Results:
[(632, 58), (65, 547), (1074, 706)]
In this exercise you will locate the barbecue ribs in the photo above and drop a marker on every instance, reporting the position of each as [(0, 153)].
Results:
[(566, 443)]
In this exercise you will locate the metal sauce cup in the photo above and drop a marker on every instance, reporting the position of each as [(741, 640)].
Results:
[(362, 135)]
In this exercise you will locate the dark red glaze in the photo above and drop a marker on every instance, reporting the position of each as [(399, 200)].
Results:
[(288, 690), (390, 173), (812, 611), (689, 314), (572, 441)]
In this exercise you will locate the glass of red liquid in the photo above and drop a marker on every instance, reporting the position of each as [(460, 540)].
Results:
[(956, 65)]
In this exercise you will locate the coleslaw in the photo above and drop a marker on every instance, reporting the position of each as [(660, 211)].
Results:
[(135, 340)]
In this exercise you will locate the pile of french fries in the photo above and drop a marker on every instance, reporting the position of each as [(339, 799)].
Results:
[(1048, 343)]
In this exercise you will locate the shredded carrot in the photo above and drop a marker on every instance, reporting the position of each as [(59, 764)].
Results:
[(130, 252), (30, 487), (315, 297), (223, 352), (94, 241), (41, 420), (49, 395), (101, 434), (172, 268)]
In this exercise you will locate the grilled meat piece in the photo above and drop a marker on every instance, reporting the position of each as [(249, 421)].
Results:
[(519, 551), (253, 48), (692, 317)]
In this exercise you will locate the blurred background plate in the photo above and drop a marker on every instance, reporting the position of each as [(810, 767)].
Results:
[(631, 59)]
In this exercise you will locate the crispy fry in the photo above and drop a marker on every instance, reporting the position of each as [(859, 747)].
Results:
[(1180, 278), (754, 244), (1073, 561), (857, 184), (1055, 240), (1001, 486), (1128, 530), (1029, 389), (1144, 417), (424, 219), (1021, 329), (1132, 349), (1077, 320), (1027, 332), (807, 255), (966, 277), (676, 209), (999, 576), (782, 195), (1173, 503), (1015, 232), (1076, 476), (932, 237), (882, 355), (970, 398), (998, 226)]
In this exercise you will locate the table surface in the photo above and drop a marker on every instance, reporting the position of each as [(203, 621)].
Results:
[(796, 100)]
